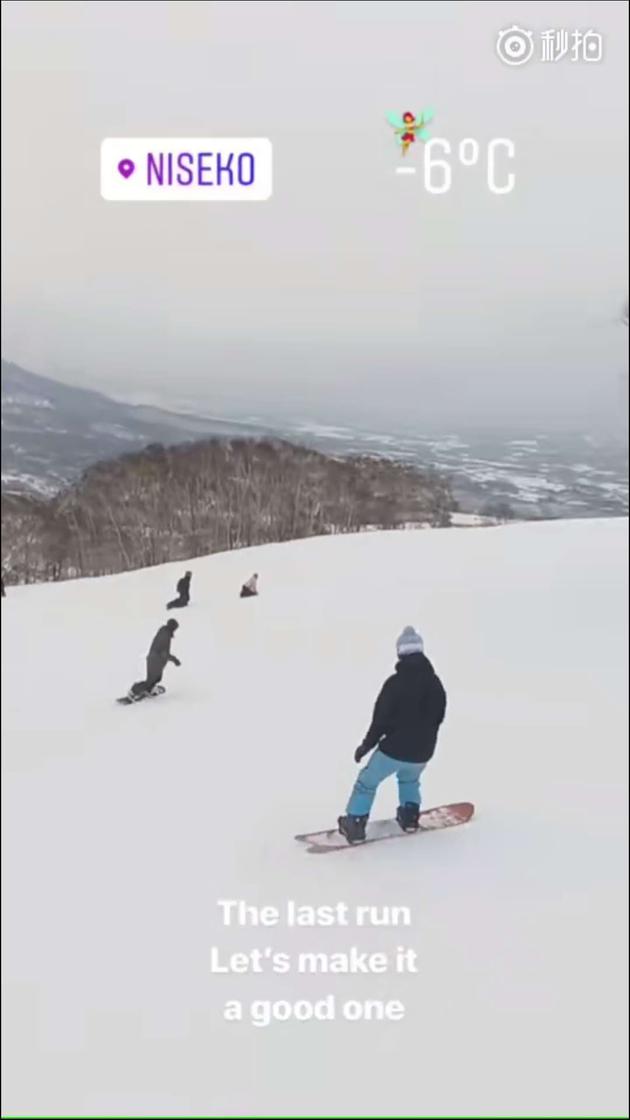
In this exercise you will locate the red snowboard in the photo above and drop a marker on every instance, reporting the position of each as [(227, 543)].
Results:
[(331, 840)]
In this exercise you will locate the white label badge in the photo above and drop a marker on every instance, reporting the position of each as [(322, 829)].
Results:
[(186, 169)]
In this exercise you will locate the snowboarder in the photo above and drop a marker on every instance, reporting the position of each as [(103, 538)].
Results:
[(250, 588), (157, 659), (404, 729), (183, 593)]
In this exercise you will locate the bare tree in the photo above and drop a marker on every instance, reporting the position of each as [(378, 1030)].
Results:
[(189, 500)]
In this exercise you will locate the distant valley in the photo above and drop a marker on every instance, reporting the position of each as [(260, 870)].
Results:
[(51, 432)]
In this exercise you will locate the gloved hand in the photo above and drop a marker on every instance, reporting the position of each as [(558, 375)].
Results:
[(177, 662), (360, 753)]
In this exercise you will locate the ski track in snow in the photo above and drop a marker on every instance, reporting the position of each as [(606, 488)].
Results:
[(122, 828)]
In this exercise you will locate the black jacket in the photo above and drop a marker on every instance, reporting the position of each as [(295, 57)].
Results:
[(160, 651), (408, 713), (183, 587)]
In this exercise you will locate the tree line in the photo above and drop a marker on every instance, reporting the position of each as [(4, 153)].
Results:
[(174, 503)]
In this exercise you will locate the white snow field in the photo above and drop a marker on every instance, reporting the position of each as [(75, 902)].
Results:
[(123, 827)]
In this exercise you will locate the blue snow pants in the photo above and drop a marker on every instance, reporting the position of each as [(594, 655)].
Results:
[(379, 767)]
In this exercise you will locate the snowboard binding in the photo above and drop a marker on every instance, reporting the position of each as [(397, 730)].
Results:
[(353, 828), (408, 816), (133, 697)]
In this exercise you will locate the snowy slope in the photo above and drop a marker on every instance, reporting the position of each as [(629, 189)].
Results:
[(124, 826)]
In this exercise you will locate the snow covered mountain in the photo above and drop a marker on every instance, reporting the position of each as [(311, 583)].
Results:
[(52, 431), (125, 827)]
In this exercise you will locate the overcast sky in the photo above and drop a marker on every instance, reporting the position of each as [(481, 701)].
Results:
[(352, 292)]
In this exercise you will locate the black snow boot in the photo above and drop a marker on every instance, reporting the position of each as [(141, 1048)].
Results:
[(353, 828), (408, 816)]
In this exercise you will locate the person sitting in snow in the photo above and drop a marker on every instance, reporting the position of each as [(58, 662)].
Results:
[(408, 713), (158, 658), (183, 592), (250, 588)]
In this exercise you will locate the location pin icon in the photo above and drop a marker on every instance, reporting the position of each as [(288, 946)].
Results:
[(126, 168)]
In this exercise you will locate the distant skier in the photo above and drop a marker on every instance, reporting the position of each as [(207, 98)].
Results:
[(250, 588), (404, 729), (183, 593), (157, 659)]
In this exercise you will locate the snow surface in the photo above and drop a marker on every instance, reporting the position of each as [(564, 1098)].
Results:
[(124, 826)]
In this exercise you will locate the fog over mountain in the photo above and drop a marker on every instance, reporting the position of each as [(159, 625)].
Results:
[(352, 295)]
